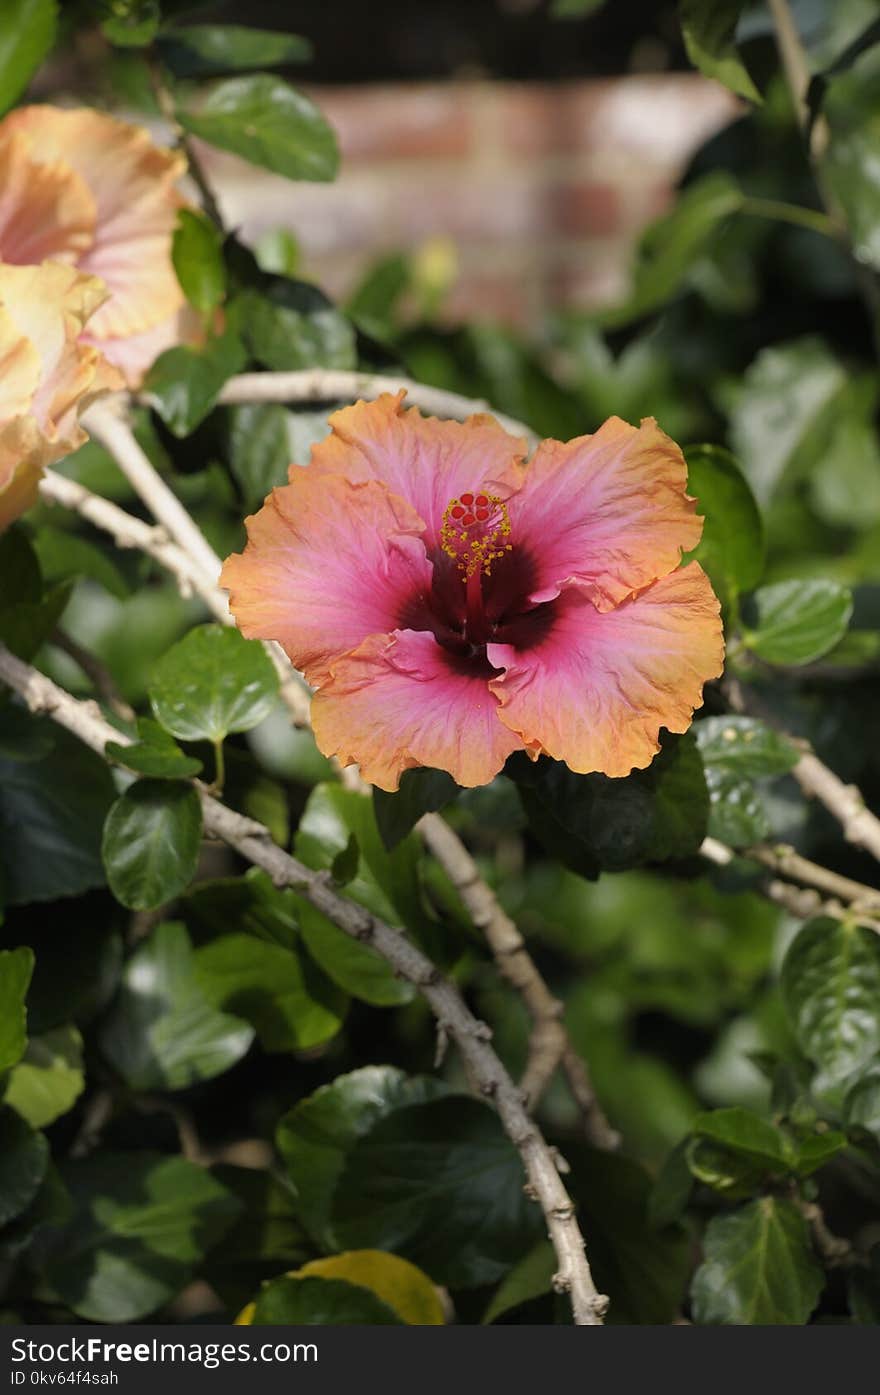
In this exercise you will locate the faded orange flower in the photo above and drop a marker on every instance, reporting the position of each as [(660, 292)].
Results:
[(452, 604), (48, 375), (91, 191)]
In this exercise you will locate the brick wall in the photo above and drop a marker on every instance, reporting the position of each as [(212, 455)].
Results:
[(542, 188)]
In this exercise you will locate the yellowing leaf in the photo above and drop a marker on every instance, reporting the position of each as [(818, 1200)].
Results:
[(398, 1283)]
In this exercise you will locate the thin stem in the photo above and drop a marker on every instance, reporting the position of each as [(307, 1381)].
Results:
[(793, 213), (219, 767), (471, 1036), (165, 102)]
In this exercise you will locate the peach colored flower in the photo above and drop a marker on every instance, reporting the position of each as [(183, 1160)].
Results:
[(86, 189), (47, 373), (452, 604)]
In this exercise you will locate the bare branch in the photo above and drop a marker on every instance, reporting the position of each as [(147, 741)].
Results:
[(471, 1036), (341, 385), (803, 902), (100, 677)]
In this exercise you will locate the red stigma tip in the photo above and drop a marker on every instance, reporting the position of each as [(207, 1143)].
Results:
[(457, 512), (467, 499), (468, 520), (481, 501), (482, 515)]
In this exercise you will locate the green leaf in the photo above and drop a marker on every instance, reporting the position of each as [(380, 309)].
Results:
[(27, 33), (316, 1302), (197, 254), (66, 556), (672, 1188), (574, 9), (863, 1291), (421, 792), (155, 753), (212, 682), (831, 986), (670, 248), (529, 1279), (250, 903), (49, 1079), (853, 112), (133, 25), (25, 628), (23, 736), (52, 812), (287, 325), (592, 822), (163, 1032), (744, 746), (441, 1184), (731, 549), (845, 482), (758, 1268), (151, 843), (387, 883), (196, 50), (183, 384), (266, 1239), (737, 813), (16, 968), (785, 394), (259, 450), (24, 1158), (374, 301), (408, 1292), (316, 1136), (266, 121), (795, 622), (140, 1228), (708, 27), (291, 1006), (741, 1131)]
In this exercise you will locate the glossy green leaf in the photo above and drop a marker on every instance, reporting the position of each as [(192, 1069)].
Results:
[(731, 549), (744, 746), (709, 27), (737, 812), (785, 394), (212, 682), (795, 622), (163, 1032), (671, 246), (151, 843), (64, 556), (287, 325), (421, 792), (291, 1006), (16, 968), (317, 1302), (197, 254), (155, 753), (758, 1268), (592, 822), (266, 121), (852, 109), (197, 50), (52, 812), (861, 1107), (259, 450), (183, 384), (27, 33), (441, 1184), (248, 903), (24, 1158), (141, 1226), (49, 1078), (317, 1135), (529, 1279), (831, 986)]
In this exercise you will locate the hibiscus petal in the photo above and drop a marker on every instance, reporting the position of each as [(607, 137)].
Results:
[(46, 211), (608, 512), (596, 691), (23, 452), (401, 701), (328, 562), (424, 460), (132, 183), (134, 354)]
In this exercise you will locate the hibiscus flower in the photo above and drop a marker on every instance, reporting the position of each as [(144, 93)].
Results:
[(88, 190), (48, 375), (452, 604)]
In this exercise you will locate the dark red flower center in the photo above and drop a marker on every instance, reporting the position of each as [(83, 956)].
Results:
[(481, 584)]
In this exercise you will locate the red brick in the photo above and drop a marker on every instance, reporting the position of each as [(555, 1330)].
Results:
[(471, 206), (398, 121), (588, 209)]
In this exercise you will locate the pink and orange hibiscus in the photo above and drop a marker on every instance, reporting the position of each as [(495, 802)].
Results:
[(84, 189), (452, 604)]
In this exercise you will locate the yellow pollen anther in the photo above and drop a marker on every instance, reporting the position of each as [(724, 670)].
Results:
[(474, 532)]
